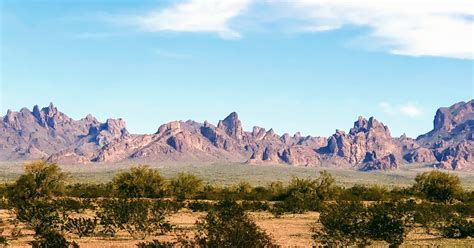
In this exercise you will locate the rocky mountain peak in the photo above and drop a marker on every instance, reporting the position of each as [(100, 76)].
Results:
[(448, 118), (363, 125), (116, 127), (174, 127), (232, 126)]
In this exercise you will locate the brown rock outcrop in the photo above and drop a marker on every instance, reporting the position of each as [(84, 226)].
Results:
[(366, 136), (451, 138), (373, 162)]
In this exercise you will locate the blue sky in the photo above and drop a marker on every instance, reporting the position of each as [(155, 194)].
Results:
[(309, 66)]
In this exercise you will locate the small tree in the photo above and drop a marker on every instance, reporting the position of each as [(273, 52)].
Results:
[(140, 181), (32, 197), (325, 186), (185, 186), (227, 225), (42, 180), (438, 186)]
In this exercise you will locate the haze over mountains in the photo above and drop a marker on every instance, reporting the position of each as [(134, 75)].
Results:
[(50, 134)]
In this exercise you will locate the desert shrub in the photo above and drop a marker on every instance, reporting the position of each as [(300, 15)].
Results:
[(85, 190), (156, 244), (140, 181), (82, 227), (389, 222), (52, 239), (69, 205), (210, 192), (366, 193), (3, 241), (185, 186), (276, 190), (138, 217), (40, 215), (227, 225), (343, 224), (457, 227), (168, 206), (438, 186), (255, 206), (325, 186), (432, 216), (465, 209), (300, 196), (348, 223), (200, 206)]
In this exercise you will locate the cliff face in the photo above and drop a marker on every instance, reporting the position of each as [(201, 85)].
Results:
[(48, 133), (452, 138)]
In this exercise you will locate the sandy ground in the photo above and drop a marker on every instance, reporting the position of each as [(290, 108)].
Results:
[(291, 230)]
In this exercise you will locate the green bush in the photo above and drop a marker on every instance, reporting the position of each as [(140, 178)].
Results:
[(457, 227), (227, 225), (432, 216), (86, 190), (185, 186), (438, 186), (3, 241), (52, 239), (387, 221), (82, 227), (41, 180), (140, 181), (255, 206), (301, 196), (343, 224), (156, 244), (200, 206), (139, 218)]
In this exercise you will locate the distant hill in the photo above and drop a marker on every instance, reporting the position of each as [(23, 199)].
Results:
[(50, 134)]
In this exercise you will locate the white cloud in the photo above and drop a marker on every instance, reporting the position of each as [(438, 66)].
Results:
[(439, 28), (416, 28), (210, 16), (407, 109)]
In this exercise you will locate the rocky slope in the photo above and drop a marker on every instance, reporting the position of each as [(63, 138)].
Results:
[(49, 134), (452, 139)]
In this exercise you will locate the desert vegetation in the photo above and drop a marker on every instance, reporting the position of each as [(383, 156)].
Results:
[(42, 209)]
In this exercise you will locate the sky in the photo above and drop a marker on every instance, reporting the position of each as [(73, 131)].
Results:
[(312, 66)]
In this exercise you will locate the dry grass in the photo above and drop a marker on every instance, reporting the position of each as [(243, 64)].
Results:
[(226, 173), (291, 230)]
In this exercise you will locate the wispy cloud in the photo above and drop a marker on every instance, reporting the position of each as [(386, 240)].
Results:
[(413, 28), (169, 54), (210, 16), (407, 109)]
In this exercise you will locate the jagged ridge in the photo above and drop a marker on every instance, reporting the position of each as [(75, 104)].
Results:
[(48, 133)]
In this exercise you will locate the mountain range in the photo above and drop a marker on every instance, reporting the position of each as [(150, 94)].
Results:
[(46, 133)]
